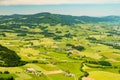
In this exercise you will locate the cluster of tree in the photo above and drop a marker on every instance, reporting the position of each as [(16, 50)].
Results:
[(57, 37), (9, 58), (22, 34), (94, 40), (47, 33), (3, 34), (114, 46), (58, 31), (103, 63), (43, 27), (77, 47), (91, 38), (5, 76), (5, 72), (112, 32), (85, 73), (9, 26), (68, 35)]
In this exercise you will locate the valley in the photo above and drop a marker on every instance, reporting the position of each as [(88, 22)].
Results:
[(61, 47)]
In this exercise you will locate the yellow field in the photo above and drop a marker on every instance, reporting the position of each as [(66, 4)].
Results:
[(102, 75)]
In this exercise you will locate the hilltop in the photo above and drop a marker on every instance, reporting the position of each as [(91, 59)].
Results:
[(54, 19)]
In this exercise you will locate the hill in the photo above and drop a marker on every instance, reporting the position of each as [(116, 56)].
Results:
[(54, 44), (9, 57), (54, 19)]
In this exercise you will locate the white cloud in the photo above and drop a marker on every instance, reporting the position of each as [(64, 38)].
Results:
[(16, 2)]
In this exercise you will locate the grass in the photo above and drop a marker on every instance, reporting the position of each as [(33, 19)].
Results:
[(60, 77), (53, 53), (6, 75), (110, 55), (48, 67), (59, 56), (34, 66), (13, 70), (102, 75), (42, 77), (73, 68), (23, 76)]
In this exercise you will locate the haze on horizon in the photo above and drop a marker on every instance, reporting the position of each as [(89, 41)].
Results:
[(67, 7)]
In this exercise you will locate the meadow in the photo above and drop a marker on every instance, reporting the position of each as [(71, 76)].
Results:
[(62, 52)]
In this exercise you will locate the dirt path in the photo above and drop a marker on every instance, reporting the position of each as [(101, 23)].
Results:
[(53, 72), (86, 78)]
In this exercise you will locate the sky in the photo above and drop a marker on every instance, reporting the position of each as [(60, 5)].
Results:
[(67, 7), (13, 2)]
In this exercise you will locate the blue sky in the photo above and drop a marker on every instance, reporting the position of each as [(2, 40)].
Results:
[(67, 7)]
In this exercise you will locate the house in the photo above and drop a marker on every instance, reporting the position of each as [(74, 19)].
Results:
[(33, 71)]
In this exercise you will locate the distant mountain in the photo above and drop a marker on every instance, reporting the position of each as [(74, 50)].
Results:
[(54, 19)]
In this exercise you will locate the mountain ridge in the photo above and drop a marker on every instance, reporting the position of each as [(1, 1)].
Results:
[(54, 19)]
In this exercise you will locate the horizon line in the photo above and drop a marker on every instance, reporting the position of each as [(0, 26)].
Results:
[(57, 14)]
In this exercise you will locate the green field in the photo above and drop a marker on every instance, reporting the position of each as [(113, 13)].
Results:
[(60, 51)]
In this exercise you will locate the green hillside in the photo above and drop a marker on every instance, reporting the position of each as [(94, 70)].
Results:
[(54, 19), (47, 46), (9, 58)]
